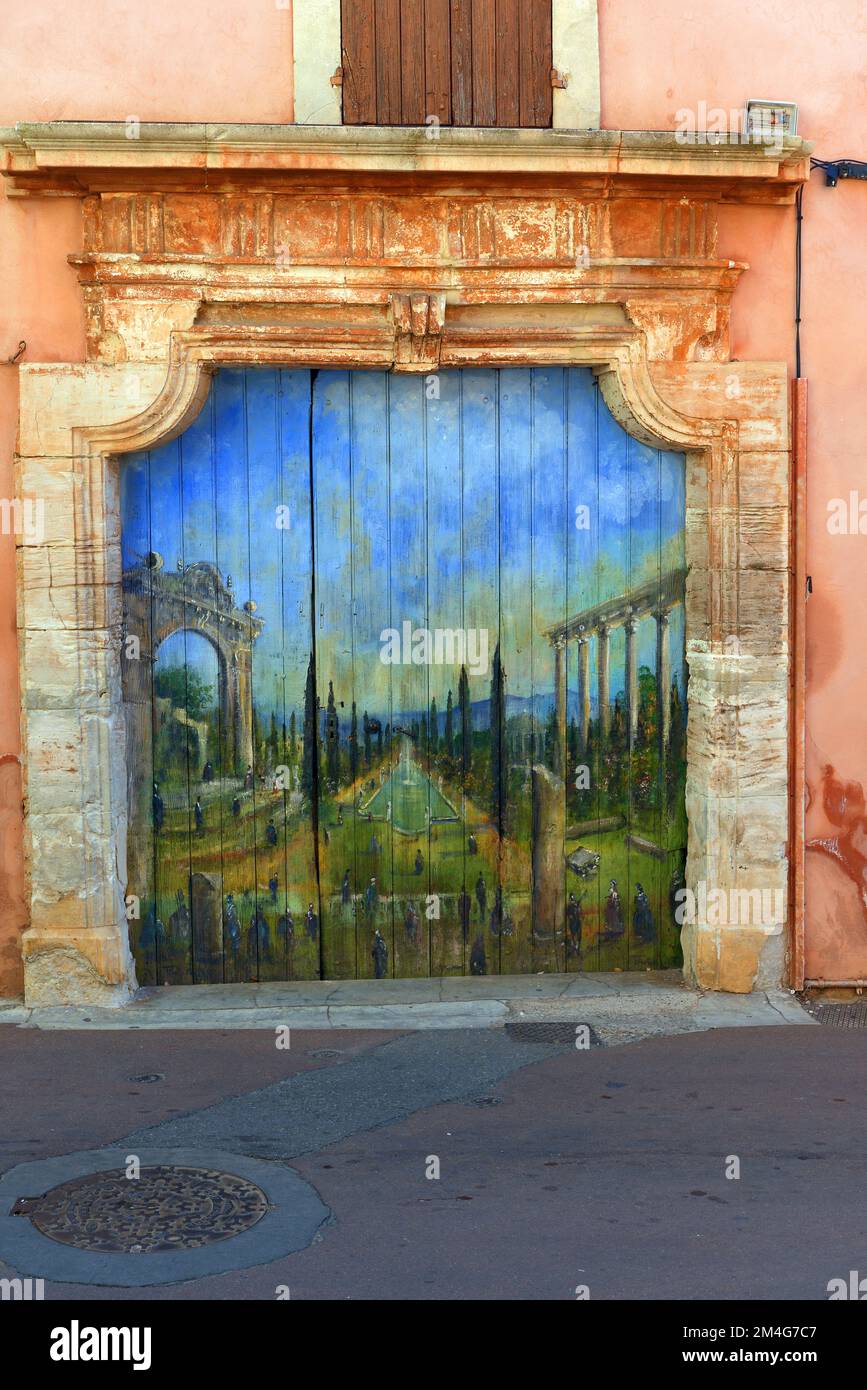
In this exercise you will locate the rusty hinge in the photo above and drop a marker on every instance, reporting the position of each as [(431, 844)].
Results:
[(558, 78), (337, 77)]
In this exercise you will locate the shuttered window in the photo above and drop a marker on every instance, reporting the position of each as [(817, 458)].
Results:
[(464, 62)]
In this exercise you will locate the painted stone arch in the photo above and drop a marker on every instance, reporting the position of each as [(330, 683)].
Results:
[(195, 598)]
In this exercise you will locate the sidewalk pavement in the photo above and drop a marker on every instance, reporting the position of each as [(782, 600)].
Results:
[(620, 1007)]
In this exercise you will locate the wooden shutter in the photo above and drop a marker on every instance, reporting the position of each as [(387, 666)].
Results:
[(466, 62)]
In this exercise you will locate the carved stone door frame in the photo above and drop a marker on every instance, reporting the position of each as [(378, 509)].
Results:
[(396, 271)]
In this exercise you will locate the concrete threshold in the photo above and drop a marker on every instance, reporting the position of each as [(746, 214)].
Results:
[(621, 1007)]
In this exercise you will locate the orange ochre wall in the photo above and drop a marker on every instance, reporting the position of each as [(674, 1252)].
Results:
[(231, 60)]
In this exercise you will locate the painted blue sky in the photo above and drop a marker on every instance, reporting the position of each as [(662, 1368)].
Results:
[(453, 512)]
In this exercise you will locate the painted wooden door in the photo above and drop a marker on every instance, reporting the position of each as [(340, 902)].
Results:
[(405, 681)]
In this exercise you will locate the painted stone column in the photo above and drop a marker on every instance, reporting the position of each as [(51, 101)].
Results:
[(602, 668), (584, 690), (560, 704), (631, 682), (549, 825), (663, 681)]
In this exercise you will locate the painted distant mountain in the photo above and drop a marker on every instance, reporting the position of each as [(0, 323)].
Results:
[(537, 706)]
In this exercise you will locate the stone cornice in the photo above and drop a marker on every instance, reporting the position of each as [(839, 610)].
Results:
[(79, 157)]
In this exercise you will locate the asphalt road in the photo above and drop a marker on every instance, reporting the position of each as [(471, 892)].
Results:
[(556, 1167)]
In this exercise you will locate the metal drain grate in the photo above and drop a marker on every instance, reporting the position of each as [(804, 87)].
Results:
[(839, 1014), (551, 1034), (166, 1208)]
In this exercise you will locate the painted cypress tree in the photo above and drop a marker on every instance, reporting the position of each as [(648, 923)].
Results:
[(434, 727), (449, 732), (332, 740), (674, 754), (274, 741), (353, 744), (466, 723), (310, 753), (499, 748), (573, 744), (379, 740), (293, 737), (367, 748)]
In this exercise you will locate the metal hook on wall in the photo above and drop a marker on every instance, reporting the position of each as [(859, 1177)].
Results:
[(22, 347)]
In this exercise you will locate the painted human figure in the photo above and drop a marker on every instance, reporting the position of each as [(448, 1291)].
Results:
[(271, 832), (346, 890), (411, 923), (153, 933), (642, 918), (473, 845), (231, 925), (159, 810), (374, 844), (236, 805), (496, 918), (286, 929), (311, 923), (380, 956), (371, 896), (418, 867), (179, 922), (273, 885), (260, 936), (248, 779), (481, 896), (340, 815), (574, 923), (199, 817), (465, 908), (388, 811), (478, 963), (207, 772), (613, 913)]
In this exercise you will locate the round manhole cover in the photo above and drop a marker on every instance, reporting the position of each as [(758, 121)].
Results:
[(166, 1208)]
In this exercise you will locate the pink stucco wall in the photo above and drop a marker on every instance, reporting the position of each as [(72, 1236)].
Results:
[(655, 59), (231, 60)]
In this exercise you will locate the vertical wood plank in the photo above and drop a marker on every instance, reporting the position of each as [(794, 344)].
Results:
[(508, 53), (388, 48), (672, 509), (548, 489), (201, 948), (437, 42), (412, 62), (449, 944), (589, 804), (536, 58), (614, 863), (481, 617), (461, 14), (484, 63), (582, 519), (172, 840), (358, 41), (371, 587), (515, 867), (298, 886), (332, 493), (138, 705), (264, 589), (407, 785)]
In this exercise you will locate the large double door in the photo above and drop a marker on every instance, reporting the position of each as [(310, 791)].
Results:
[(404, 679)]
